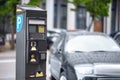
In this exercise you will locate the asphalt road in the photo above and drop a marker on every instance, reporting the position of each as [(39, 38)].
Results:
[(7, 65)]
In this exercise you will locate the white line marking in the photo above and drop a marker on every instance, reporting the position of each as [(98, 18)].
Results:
[(7, 61)]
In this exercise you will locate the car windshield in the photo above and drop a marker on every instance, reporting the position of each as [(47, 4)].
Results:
[(87, 43)]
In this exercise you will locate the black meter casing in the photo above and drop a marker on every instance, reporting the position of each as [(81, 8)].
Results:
[(31, 43)]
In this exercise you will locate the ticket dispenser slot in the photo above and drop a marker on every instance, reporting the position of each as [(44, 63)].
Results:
[(31, 43)]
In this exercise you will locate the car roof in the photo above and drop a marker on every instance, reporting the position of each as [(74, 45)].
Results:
[(86, 33), (57, 30)]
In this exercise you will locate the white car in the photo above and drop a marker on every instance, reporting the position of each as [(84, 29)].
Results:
[(85, 56)]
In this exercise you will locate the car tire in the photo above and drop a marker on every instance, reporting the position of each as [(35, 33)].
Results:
[(63, 76), (52, 78), (90, 79)]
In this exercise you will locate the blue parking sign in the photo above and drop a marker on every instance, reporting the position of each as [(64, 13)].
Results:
[(19, 21)]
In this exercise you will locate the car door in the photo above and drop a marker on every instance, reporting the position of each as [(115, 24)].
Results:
[(56, 57)]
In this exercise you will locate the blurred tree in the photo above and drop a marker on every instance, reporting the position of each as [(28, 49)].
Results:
[(2, 2), (8, 7), (35, 2), (96, 8)]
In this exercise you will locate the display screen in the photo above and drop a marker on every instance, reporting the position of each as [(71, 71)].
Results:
[(38, 22), (32, 29)]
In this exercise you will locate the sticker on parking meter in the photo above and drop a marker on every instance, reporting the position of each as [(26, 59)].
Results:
[(19, 22), (41, 29)]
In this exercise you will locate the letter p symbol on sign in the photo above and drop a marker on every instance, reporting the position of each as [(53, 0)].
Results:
[(19, 21)]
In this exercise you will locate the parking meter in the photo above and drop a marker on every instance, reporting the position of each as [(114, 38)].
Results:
[(31, 43)]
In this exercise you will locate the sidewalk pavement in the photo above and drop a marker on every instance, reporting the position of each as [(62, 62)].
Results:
[(8, 54), (7, 65), (8, 59)]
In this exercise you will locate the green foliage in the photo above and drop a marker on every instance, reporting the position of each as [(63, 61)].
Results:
[(35, 2), (95, 7), (3, 8), (8, 7)]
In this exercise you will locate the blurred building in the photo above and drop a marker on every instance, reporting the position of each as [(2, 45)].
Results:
[(60, 15), (115, 22)]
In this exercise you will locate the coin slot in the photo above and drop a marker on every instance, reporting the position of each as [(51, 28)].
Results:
[(39, 74), (33, 58)]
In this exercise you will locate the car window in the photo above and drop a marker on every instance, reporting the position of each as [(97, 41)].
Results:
[(53, 47), (56, 44), (91, 43)]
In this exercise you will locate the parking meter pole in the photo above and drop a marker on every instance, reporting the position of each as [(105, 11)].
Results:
[(31, 43)]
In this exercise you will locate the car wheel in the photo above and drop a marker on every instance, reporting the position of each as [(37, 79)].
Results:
[(63, 76), (91, 79)]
